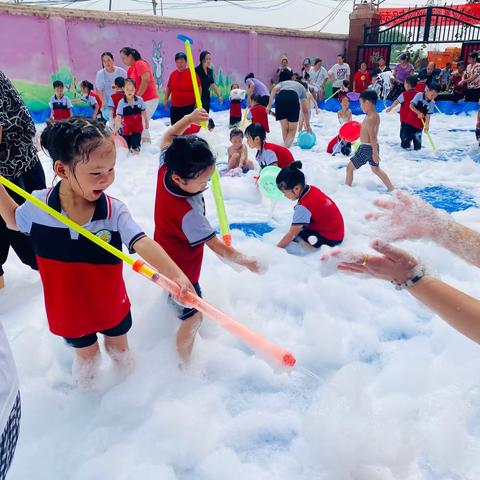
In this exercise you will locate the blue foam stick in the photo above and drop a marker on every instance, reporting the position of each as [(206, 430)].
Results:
[(184, 38)]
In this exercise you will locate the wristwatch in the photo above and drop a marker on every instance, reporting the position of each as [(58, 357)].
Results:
[(417, 274)]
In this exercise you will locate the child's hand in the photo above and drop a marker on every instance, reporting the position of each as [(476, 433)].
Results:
[(420, 115), (389, 109), (254, 265), (198, 116), (186, 287), (376, 157), (426, 128), (147, 125)]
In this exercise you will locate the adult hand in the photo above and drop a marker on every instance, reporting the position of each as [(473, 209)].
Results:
[(198, 116), (407, 217), (393, 264)]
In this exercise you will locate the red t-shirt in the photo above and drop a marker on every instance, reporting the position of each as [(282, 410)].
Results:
[(420, 87), (318, 212), (259, 115), (181, 227), (362, 81), (284, 155), (136, 71), (181, 87), (235, 109), (116, 97), (404, 99)]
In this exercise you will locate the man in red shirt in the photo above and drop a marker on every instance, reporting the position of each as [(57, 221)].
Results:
[(180, 88), (362, 79)]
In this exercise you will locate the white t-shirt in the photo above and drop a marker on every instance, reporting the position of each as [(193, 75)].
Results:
[(340, 73), (318, 78), (105, 80), (8, 380)]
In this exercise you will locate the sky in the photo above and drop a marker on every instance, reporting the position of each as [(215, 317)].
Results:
[(307, 15)]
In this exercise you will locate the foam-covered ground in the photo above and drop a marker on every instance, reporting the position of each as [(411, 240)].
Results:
[(393, 391)]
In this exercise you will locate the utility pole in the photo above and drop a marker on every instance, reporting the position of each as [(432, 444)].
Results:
[(154, 6), (109, 5), (161, 8)]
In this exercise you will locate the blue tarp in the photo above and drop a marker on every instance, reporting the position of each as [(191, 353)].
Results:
[(446, 198)]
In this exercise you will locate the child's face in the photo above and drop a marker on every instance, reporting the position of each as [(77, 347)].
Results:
[(234, 86), (345, 102), (129, 90), (253, 142), (364, 105), (294, 193), (406, 85), (237, 141), (431, 94), (195, 185), (59, 91), (91, 178)]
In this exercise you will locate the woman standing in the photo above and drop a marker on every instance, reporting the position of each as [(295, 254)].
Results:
[(256, 87), (289, 97), (471, 78), (283, 69), (141, 73), (207, 81), (20, 164), (105, 79), (400, 73)]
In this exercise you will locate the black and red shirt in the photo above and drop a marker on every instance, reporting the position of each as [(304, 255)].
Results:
[(404, 100), (181, 227), (283, 154), (82, 283), (318, 212), (131, 114)]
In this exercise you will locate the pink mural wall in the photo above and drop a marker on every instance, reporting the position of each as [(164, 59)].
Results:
[(36, 42)]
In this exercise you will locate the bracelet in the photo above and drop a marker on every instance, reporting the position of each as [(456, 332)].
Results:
[(418, 273)]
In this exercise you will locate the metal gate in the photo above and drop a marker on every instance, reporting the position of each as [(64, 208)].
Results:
[(424, 25)]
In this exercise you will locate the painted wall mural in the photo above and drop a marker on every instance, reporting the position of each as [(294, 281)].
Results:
[(69, 48)]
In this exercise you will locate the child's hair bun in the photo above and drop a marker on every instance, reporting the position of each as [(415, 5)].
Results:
[(296, 165)]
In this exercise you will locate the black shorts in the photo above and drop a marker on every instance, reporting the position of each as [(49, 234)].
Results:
[(177, 113), (88, 340), (313, 238), (363, 155), (287, 106), (184, 313), (235, 121), (264, 100)]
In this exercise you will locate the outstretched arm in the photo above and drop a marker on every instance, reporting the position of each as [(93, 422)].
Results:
[(197, 116), (229, 253), (8, 206)]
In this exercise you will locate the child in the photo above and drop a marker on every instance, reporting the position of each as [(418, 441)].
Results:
[(404, 100), (60, 105), (89, 96), (236, 96), (118, 86), (181, 228), (259, 113), (316, 220), (344, 88), (267, 153), (368, 150), (344, 115), (83, 285), (418, 118), (421, 84), (130, 111), (211, 125), (238, 153)]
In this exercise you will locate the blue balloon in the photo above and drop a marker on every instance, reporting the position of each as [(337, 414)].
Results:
[(306, 140)]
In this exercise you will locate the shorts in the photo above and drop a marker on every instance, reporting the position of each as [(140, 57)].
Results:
[(177, 113), (363, 155), (264, 100), (184, 313), (287, 106), (88, 340), (8, 440), (235, 121), (313, 238)]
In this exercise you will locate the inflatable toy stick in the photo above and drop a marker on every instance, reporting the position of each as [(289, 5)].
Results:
[(428, 135), (216, 188), (250, 337)]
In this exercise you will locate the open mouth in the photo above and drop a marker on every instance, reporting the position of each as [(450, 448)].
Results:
[(97, 192)]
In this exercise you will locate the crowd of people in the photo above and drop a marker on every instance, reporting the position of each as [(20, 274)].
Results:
[(122, 102)]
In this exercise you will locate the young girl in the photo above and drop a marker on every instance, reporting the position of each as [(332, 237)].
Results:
[(267, 153), (130, 111), (116, 96), (336, 144), (238, 152), (236, 96), (89, 96), (181, 228), (344, 115), (259, 114), (83, 284), (316, 220)]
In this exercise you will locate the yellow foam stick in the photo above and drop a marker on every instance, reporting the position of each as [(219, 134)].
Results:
[(428, 136)]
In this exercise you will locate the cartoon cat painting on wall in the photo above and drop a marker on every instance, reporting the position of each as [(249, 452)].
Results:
[(157, 60)]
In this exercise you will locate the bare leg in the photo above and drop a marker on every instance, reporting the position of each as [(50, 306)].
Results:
[(284, 125), (2, 282), (118, 351), (249, 164), (300, 122), (292, 130), (383, 177), (349, 175), (233, 161), (186, 335), (85, 366)]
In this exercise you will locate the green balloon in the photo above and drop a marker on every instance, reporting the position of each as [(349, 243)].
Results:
[(267, 183)]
